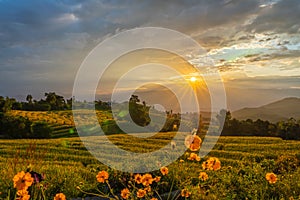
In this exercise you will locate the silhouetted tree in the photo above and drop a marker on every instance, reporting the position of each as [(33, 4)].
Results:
[(7, 104), (139, 113), (29, 98)]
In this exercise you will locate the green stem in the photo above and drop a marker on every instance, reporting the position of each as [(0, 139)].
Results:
[(177, 196), (111, 191), (43, 194), (158, 195), (94, 194), (171, 189)]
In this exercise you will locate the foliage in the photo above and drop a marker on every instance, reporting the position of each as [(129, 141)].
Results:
[(40, 130), (288, 130), (139, 113), (20, 127), (14, 127)]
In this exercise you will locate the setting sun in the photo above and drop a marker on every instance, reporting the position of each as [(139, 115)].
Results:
[(193, 79)]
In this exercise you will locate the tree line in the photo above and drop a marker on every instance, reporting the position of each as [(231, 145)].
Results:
[(52, 101), (139, 113), (288, 129)]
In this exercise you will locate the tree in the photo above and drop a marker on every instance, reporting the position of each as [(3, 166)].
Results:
[(224, 117), (289, 130), (29, 98), (14, 127), (2, 102), (139, 113), (56, 102), (40, 130), (7, 104)]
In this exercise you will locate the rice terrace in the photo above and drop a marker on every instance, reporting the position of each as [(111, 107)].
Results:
[(239, 167)]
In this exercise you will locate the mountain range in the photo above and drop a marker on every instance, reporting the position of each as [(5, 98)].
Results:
[(273, 112)]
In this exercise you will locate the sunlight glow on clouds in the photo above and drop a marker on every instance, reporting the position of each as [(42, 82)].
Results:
[(44, 42)]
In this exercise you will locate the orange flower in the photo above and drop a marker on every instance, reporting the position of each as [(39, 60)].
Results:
[(23, 195), (125, 193), (194, 156), (185, 193), (203, 176), (153, 198), (217, 165), (138, 178), (102, 176), (193, 142), (164, 171), (22, 181), (147, 179), (157, 179), (271, 177), (212, 163), (60, 196), (141, 193), (148, 188)]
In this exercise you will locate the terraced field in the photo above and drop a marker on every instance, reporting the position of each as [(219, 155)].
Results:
[(245, 161), (62, 122)]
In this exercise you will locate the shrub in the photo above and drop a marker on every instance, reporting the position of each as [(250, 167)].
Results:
[(14, 127), (40, 130)]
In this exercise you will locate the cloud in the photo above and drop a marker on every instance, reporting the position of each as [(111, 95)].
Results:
[(282, 17), (44, 43)]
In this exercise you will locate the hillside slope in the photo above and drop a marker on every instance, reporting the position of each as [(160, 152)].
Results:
[(274, 112)]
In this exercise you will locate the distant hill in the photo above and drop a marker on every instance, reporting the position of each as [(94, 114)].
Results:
[(273, 112)]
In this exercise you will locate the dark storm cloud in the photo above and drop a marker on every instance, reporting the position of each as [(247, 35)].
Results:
[(27, 22), (282, 17), (34, 21)]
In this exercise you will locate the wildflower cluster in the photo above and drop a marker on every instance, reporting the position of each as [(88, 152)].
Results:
[(212, 163), (195, 157), (22, 181), (193, 142), (139, 186), (203, 176)]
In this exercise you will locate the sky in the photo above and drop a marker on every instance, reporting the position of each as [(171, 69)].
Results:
[(255, 44)]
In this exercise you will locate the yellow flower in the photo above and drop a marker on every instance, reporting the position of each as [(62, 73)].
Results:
[(185, 193), (164, 171), (203, 176), (60, 196), (181, 160), (22, 180), (23, 195), (147, 179), (271, 177), (193, 142), (194, 156), (138, 178), (141, 193), (102, 176), (212, 163), (125, 193)]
